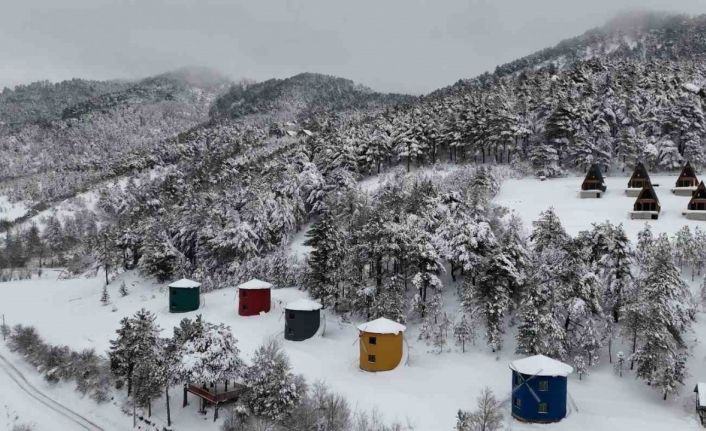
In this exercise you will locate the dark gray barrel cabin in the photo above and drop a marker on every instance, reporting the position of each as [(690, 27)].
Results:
[(302, 319)]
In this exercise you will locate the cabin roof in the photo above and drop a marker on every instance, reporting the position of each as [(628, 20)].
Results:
[(255, 284), (303, 305), (594, 172), (687, 172), (648, 193), (640, 172), (700, 192), (382, 326), (700, 390), (185, 283), (540, 365)]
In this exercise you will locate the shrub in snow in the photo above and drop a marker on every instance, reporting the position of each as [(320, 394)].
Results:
[(123, 289)]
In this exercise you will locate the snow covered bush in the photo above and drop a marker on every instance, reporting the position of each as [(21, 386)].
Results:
[(273, 390)]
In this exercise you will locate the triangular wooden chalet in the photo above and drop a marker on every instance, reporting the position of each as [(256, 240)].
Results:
[(698, 199), (687, 178), (594, 179), (647, 200), (640, 178)]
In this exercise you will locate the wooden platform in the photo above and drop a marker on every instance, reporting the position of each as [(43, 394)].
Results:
[(212, 395), (633, 192), (644, 215), (590, 194), (684, 191), (695, 215)]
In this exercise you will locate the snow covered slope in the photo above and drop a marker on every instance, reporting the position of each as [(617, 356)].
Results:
[(427, 392), (529, 196)]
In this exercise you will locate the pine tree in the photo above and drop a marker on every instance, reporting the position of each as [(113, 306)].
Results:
[(464, 332), (273, 390), (136, 335), (325, 259), (123, 289), (665, 304), (105, 297), (547, 232)]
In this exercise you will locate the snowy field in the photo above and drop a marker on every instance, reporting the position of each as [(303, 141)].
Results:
[(530, 196), (425, 393), (11, 211)]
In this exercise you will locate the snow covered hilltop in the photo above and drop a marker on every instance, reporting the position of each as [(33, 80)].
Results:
[(293, 211)]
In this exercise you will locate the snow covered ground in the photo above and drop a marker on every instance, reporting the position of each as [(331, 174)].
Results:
[(426, 393), (11, 211), (530, 196)]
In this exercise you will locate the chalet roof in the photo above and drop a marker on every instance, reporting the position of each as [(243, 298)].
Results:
[(700, 192), (687, 172), (540, 365), (700, 389), (255, 284), (640, 172), (594, 173), (648, 193), (382, 326), (185, 283)]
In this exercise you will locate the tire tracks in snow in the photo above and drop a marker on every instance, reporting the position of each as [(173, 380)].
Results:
[(26, 387)]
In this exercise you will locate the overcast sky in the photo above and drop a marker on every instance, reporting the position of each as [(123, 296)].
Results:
[(392, 45)]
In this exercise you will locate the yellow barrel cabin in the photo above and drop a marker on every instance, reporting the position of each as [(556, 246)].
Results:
[(381, 344)]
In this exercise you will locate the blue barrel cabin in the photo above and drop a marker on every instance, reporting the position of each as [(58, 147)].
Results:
[(539, 389)]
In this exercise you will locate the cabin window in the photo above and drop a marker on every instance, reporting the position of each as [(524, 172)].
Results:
[(372, 340), (544, 385), (245, 293), (371, 358), (291, 316), (543, 408), (517, 402)]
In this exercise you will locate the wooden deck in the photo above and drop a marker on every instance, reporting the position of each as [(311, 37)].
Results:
[(216, 397)]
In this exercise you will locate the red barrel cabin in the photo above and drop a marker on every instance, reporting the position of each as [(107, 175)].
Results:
[(254, 297)]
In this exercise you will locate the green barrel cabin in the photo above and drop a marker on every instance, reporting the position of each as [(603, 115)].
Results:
[(184, 295)]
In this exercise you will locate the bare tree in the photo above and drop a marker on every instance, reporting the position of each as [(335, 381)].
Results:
[(486, 418)]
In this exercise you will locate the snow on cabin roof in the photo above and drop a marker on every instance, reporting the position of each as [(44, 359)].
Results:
[(382, 326), (185, 283), (255, 284), (700, 389), (541, 365), (303, 305)]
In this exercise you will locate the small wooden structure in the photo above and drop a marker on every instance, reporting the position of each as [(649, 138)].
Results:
[(687, 181), (210, 395), (302, 319), (646, 205), (539, 389), (639, 180), (696, 210), (184, 295), (254, 297), (381, 344), (593, 185)]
